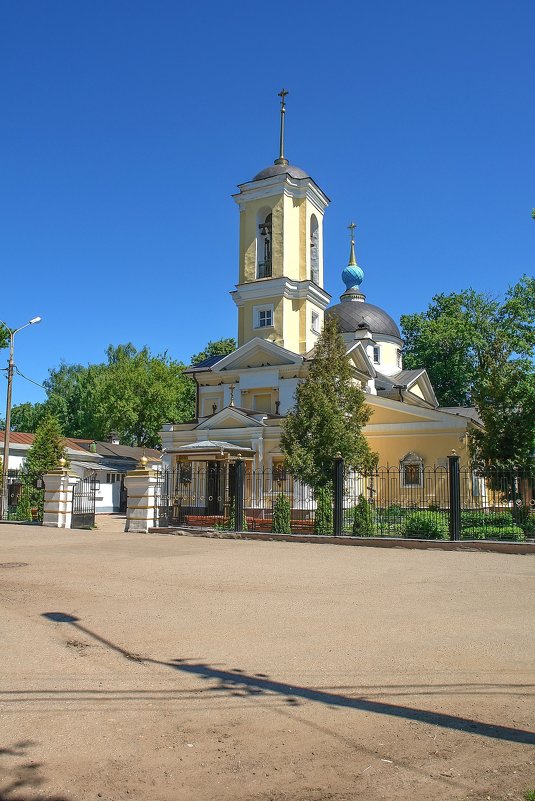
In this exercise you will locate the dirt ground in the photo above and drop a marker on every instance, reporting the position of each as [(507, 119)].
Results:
[(168, 668)]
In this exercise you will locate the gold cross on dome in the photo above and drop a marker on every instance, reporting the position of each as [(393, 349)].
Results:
[(352, 227)]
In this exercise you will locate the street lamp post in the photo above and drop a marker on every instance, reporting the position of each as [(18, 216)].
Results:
[(7, 428)]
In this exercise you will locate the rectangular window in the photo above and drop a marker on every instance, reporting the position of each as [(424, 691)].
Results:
[(376, 354), (263, 316), (315, 322)]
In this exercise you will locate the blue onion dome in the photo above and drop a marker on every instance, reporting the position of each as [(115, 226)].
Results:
[(352, 276)]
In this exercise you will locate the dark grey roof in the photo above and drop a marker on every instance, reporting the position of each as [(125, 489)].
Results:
[(280, 169), (463, 411), (206, 363), (403, 378), (354, 314), (109, 450)]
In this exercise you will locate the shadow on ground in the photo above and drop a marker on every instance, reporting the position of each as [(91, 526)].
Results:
[(238, 683), (22, 781)]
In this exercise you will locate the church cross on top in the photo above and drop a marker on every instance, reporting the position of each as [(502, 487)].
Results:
[(282, 159)]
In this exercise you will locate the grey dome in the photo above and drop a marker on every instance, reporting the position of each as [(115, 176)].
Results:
[(352, 315), (280, 169)]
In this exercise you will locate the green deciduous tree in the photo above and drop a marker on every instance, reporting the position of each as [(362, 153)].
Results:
[(220, 347), (27, 416), (139, 392), (4, 336), (505, 398), (478, 351), (462, 335), (328, 416), (133, 393)]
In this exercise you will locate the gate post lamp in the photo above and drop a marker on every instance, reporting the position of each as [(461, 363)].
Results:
[(11, 365)]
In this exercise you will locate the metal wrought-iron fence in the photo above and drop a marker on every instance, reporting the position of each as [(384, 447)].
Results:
[(497, 504), (393, 502), (420, 502), (24, 501)]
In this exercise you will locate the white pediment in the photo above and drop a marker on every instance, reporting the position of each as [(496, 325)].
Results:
[(421, 387), (359, 357), (231, 417), (257, 353)]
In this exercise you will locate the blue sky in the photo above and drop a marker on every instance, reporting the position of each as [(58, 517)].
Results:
[(126, 126)]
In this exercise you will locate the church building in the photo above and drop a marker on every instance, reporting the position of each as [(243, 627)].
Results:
[(242, 398)]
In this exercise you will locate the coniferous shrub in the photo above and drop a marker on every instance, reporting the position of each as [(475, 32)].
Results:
[(281, 515), (323, 521), (363, 519), (24, 509)]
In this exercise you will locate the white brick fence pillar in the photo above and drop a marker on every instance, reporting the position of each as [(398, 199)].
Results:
[(59, 486), (141, 485)]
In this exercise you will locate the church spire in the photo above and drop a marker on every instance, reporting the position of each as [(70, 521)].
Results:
[(353, 275), (352, 258), (281, 159)]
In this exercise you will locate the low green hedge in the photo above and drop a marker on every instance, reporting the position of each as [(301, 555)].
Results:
[(426, 526), (511, 533), (479, 517)]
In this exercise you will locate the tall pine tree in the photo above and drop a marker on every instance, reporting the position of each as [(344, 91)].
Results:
[(328, 417), (44, 455)]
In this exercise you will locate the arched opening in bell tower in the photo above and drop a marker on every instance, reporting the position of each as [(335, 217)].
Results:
[(264, 266), (314, 250)]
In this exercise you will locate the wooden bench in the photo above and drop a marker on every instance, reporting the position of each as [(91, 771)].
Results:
[(265, 524), (204, 520)]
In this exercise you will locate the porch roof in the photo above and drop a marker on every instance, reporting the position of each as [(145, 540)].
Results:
[(208, 446)]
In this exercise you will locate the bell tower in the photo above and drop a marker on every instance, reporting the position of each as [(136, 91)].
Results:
[(280, 294)]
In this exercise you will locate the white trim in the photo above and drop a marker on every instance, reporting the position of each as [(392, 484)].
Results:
[(411, 459), (282, 184), (253, 344), (277, 287)]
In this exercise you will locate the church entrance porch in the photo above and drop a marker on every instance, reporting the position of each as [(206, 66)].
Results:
[(200, 486)]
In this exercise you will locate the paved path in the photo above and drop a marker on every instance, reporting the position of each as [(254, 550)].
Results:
[(162, 668)]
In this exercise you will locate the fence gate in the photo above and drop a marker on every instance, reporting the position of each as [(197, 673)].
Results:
[(83, 503)]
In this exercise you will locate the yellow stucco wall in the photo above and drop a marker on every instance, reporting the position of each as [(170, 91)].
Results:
[(433, 447), (381, 414), (246, 328)]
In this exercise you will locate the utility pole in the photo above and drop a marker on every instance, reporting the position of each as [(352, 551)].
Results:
[(7, 429)]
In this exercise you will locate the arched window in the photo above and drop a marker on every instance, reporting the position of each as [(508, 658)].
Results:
[(412, 470), (264, 253), (314, 250)]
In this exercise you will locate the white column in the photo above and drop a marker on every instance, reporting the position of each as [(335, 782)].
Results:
[(59, 486), (141, 485)]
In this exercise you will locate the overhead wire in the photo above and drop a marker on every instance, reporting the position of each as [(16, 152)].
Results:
[(37, 384)]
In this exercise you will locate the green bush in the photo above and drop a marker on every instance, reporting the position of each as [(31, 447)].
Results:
[(512, 533), (281, 515), (426, 526), (484, 517), (323, 521), (363, 519), (524, 517)]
